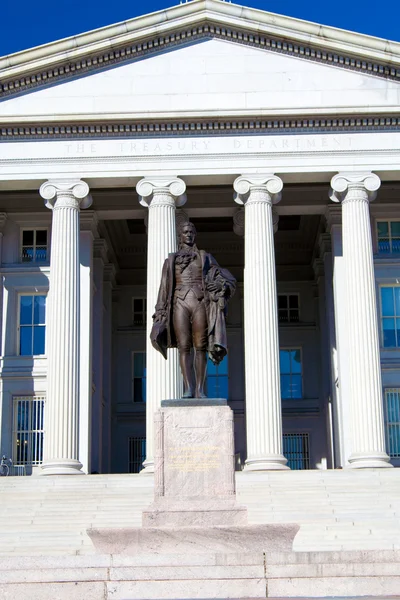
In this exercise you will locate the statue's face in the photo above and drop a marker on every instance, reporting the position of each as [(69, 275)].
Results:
[(188, 235)]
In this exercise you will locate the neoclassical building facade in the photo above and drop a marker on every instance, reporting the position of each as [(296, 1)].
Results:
[(280, 140)]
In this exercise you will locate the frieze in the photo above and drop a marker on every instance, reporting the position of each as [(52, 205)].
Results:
[(97, 62)]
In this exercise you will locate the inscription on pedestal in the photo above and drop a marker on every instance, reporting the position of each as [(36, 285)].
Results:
[(194, 454), (195, 459)]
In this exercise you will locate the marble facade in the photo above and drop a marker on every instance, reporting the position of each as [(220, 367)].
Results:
[(180, 117)]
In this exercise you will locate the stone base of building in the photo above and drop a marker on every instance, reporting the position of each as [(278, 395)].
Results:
[(150, 576)]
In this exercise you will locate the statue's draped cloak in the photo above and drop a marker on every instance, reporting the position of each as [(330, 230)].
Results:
[(163, 335)]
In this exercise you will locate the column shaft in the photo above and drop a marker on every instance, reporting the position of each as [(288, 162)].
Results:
[(62, 404), (163, 378), (368, 440), (263, 397)]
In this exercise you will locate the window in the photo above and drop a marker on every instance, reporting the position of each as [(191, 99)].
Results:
[(291, 373), (392, 421), (139, 376), (296, 449), (137, 453), (217, 379), (390, 306), (34, 245), (388, 236), (28, 432), (32, 327), (139, 311), (288, 308)]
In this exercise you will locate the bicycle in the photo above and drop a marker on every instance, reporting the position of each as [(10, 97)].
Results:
[(5, 465)]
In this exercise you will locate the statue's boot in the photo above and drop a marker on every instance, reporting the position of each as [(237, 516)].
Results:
[(200, 367), (186, 363)]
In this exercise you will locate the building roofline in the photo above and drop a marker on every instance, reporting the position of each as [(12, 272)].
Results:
[(192, 13)]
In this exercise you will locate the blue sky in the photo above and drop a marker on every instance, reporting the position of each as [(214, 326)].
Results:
[(28, 23)]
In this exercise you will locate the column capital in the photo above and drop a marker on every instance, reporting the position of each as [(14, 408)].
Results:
[(364, 186), (167, 190), (270, 184), (65, 192)]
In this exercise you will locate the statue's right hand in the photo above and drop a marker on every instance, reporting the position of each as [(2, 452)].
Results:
[(159, 317)]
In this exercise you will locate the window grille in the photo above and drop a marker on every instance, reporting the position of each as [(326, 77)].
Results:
[(139, 311), (34, 245), (137, 453), (28, 430), (217, 379), (291, 373), (392, 421), (296, 448), (288, 308), (388, 236), (139, 376), (390, 313), (32, 324)]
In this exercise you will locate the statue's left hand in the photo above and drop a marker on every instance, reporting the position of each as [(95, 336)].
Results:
[(215, 287)]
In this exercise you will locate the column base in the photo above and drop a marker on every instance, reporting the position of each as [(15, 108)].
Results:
[(148, 468), (377, 460), (62, 467), (271, 462)]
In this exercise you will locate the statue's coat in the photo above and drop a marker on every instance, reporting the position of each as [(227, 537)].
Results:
[(163, 335)]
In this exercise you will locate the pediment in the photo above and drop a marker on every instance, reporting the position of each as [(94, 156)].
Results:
[(208, 77)]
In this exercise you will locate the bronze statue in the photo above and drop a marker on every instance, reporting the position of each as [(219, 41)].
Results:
[(191, 309)]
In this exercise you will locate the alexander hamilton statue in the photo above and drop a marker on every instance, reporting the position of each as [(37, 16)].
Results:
[(191, 310)]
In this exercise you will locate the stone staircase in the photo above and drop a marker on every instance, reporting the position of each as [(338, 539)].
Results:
[(336, 510), (372, 575)]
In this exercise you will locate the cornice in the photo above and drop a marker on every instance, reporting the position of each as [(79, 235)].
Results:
[(210, 19), (195, 12), (150, 127), (318, 268), (89, 222), (333, 215), (324, 244), (100, 249)]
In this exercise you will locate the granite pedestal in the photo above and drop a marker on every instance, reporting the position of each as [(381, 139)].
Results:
[(194, 466), (194, 508), (194, 513)]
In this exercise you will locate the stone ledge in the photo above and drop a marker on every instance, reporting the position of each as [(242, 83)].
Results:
[(194, 540), (194, 512), (189, 402)]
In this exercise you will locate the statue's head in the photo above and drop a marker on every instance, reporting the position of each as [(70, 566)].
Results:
[(187, 234)]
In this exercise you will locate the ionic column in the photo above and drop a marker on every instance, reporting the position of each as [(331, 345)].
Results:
[(163, 378), (263, 390), (355, 191), (60, 455)]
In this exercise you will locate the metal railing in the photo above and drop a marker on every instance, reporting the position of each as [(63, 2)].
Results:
[(137, 453), (296, 448), (28, 433), (392, 421)]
